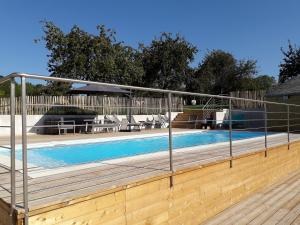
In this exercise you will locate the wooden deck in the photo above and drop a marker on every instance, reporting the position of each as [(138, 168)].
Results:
[(67, 186), (278, 204)]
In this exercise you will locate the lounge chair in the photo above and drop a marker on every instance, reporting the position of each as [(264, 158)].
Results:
[(126, 126), (148, 124), (166, 118), (116, 119), (102, 126), (159, 123), (112, 120), (163, 120), (133, 121)]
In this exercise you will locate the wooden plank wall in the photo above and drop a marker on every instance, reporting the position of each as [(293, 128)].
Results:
[(38, 105), (242, 104), (198, 193), (4, 214), (278, 114)]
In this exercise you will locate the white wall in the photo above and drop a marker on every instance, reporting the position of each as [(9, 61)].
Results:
[(5, 121), (221, 116), (38, 120)]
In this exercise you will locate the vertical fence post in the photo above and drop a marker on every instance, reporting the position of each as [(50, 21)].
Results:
[(230, 131), (288, 125), (103, 105), (266, 129), (12, 149), (24, 150), (170, 138), (130, 109)]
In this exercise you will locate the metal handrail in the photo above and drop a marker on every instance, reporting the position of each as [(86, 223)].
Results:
[(67, 80), (207, 102)]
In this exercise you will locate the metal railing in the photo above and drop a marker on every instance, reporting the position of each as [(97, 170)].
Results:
[(170, 93)]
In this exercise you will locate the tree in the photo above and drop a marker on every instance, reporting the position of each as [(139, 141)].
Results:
[(85, 56), (290, 67), (262, 82), (166, 61), (221, 73), (4, 89), (31, 89)]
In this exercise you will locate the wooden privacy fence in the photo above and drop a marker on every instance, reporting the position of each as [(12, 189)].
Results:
[(39, 105), (243, 104)]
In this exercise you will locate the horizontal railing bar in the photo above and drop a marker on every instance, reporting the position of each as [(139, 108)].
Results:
[(293, 125), (274, 112), (247, 111), (7, 78), (182, 121), (295, 131), (257, 128), (226, 120), (212, 108), (59, 79), (254, 128), (1, 146), (277, 126), (138, 107), (94, 106), (73, 125)]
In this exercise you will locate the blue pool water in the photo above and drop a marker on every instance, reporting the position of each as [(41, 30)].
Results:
[(83, 153)]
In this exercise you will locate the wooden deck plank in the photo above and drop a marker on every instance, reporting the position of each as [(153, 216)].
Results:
[(3, 169), (278, 204), (273, 206), (91, 177), (107, 171), (284, 210), (296, 221)]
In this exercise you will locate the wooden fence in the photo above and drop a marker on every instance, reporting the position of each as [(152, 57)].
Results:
[(243, 104), (39, 105)]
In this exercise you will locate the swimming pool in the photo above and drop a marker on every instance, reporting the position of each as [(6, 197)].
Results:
[(72, 154)]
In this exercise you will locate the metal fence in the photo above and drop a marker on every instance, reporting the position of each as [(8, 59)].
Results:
[(270, 117)]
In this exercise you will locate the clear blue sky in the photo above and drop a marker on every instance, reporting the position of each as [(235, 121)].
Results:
[(253, 29)]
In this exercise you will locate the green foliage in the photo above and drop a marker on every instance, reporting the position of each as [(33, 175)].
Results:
[(290, 67), (262, 82), (166, 61), (221, 73), (5, 89), (56, 88), (70, 111), (84, 56), (31, 89)]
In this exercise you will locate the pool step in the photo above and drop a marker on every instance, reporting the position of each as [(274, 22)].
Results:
[(183, 120)]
